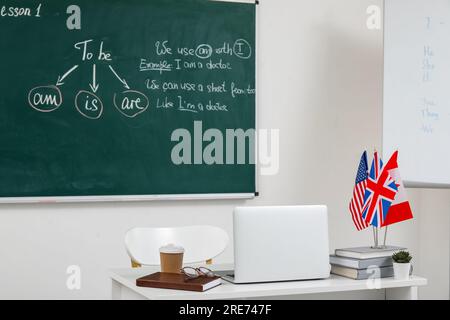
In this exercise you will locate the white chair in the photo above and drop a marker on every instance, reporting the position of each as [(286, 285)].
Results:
[(200, 243)]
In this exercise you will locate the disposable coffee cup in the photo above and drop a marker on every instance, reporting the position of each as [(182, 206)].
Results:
[(171, 257)]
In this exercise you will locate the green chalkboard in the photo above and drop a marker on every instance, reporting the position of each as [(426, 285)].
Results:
[(126, 97)]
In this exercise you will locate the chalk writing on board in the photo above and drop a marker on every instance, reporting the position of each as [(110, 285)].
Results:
[(427, 63), (428, 22), (131, 103), (122, 80), (429, 115), (88, 105), (45, 98), (427, 111), (48, 98), (60, 80), (17, 12), (94, 85), (203, 51), (209, 105), (168, 94), (160, 66), (87, 52), (173, 59), (242, 49)]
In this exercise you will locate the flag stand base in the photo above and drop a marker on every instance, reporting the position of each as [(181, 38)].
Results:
[(376, 244), (378, 247)]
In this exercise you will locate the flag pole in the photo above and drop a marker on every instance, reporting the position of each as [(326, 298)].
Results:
[(374, 238), (378, 236), (385, 235), (375, 231)]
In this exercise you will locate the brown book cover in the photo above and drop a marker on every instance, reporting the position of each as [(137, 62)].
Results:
[(178, 281)]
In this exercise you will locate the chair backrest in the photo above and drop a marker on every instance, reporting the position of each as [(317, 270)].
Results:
[(200, 243)]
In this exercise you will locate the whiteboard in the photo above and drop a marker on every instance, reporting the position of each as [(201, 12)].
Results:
[(416, 97)]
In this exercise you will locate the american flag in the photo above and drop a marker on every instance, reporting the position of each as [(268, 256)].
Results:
[(357, 202), (380, 192)]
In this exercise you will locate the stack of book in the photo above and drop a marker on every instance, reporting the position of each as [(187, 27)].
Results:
[(358, 263)]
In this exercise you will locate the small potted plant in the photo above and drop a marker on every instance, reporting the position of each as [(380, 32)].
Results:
[(402, 265)]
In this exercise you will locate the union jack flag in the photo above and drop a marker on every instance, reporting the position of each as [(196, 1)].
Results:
[(380, 192)]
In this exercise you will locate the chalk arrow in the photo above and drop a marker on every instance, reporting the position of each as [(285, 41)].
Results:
[(125, 84), (94, 85), (61, 78)]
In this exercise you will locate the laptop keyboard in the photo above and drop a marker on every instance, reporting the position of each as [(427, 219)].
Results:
[(226, 273)]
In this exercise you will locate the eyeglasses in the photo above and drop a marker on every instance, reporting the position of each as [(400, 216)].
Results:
[(194, 273)]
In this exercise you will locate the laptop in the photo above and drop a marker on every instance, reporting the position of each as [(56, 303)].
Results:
[(279, 243)]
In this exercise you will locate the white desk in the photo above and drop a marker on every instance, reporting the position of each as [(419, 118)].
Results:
[(124, 287)]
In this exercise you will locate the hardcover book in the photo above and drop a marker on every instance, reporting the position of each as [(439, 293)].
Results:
[(367, 252), (178, 281), (356, 274), (361, 263)]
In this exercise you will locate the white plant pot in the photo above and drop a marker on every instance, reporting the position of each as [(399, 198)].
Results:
[(401, 271)]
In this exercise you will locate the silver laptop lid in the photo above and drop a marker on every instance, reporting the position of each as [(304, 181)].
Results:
[(280, 243)]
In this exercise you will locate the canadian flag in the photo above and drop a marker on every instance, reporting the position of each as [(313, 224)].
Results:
[(400, 209)]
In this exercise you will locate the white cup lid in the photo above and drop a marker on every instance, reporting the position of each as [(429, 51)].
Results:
[(171, 248)]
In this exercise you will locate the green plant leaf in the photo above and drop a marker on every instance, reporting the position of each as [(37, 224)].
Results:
[(402, 257)]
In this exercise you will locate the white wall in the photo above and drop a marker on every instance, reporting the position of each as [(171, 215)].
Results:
[(434, 222), (321, 85)]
